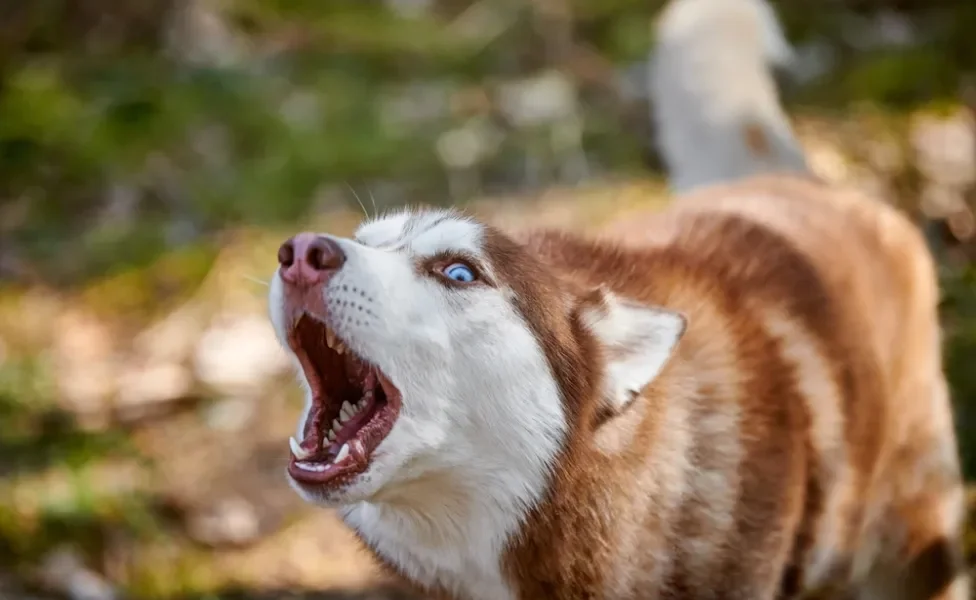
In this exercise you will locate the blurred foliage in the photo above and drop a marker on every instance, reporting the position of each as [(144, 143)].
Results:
[(959, 316), (116, 144), (93, 102)]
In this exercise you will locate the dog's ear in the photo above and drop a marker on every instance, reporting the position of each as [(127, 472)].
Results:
[(636, 341)]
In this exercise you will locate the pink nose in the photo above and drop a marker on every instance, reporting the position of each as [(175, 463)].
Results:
[(309, 258)]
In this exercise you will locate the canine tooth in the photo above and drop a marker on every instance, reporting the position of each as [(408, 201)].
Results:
[(329, 337), (343, 452), (296, 449), (347, 410)]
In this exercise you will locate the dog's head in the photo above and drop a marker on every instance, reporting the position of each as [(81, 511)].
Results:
[(433, 348)]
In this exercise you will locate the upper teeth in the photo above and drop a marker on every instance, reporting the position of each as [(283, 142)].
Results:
[(333, 342)]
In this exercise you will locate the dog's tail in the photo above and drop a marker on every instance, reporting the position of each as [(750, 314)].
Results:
[(715, 104)]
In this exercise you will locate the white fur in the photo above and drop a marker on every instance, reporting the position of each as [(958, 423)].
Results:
[(710, 84), (481, 420)]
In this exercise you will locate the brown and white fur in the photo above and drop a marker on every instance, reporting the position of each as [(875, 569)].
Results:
[(742, 397)]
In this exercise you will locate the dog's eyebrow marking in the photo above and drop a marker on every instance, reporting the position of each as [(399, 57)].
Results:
[(444, 233), (418, 224), (424, 233), (396, 230), (384, 230)]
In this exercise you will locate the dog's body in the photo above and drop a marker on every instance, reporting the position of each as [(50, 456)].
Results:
[(800, 437), (739, 398)]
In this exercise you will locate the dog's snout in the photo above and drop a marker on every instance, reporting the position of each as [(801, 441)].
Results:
[(309, 258)]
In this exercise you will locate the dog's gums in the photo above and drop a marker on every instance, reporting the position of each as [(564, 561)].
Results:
[(354, 407)]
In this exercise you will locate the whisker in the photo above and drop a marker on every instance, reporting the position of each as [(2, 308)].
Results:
[(356, 196), (256, 280), (372, 199)]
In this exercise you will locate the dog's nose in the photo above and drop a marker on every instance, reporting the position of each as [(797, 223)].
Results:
[(309, 258)]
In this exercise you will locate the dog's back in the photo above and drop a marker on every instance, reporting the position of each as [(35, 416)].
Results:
[(801, 438), (829, 298)]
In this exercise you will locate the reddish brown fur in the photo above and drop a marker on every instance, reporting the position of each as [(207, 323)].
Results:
[(849, 280), (848, 270)]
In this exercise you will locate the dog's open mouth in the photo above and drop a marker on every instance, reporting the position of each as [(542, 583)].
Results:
[(353, 409)]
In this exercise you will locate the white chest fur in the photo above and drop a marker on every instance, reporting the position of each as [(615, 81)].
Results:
[(463, 557)]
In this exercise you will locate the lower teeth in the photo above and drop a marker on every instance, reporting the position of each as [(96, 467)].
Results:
[(351, 410), (347, 412), (317, 467)]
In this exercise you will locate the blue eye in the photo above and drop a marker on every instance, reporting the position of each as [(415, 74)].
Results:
[(459, 272)]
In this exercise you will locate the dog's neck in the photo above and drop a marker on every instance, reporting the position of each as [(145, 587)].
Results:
[(448, 529)]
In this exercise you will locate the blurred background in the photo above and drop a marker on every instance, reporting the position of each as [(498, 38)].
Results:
[(154, 153)]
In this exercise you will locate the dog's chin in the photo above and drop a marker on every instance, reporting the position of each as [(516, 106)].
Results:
[(356, 490)]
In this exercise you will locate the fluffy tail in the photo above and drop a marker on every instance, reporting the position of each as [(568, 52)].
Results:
[(715, 103)]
